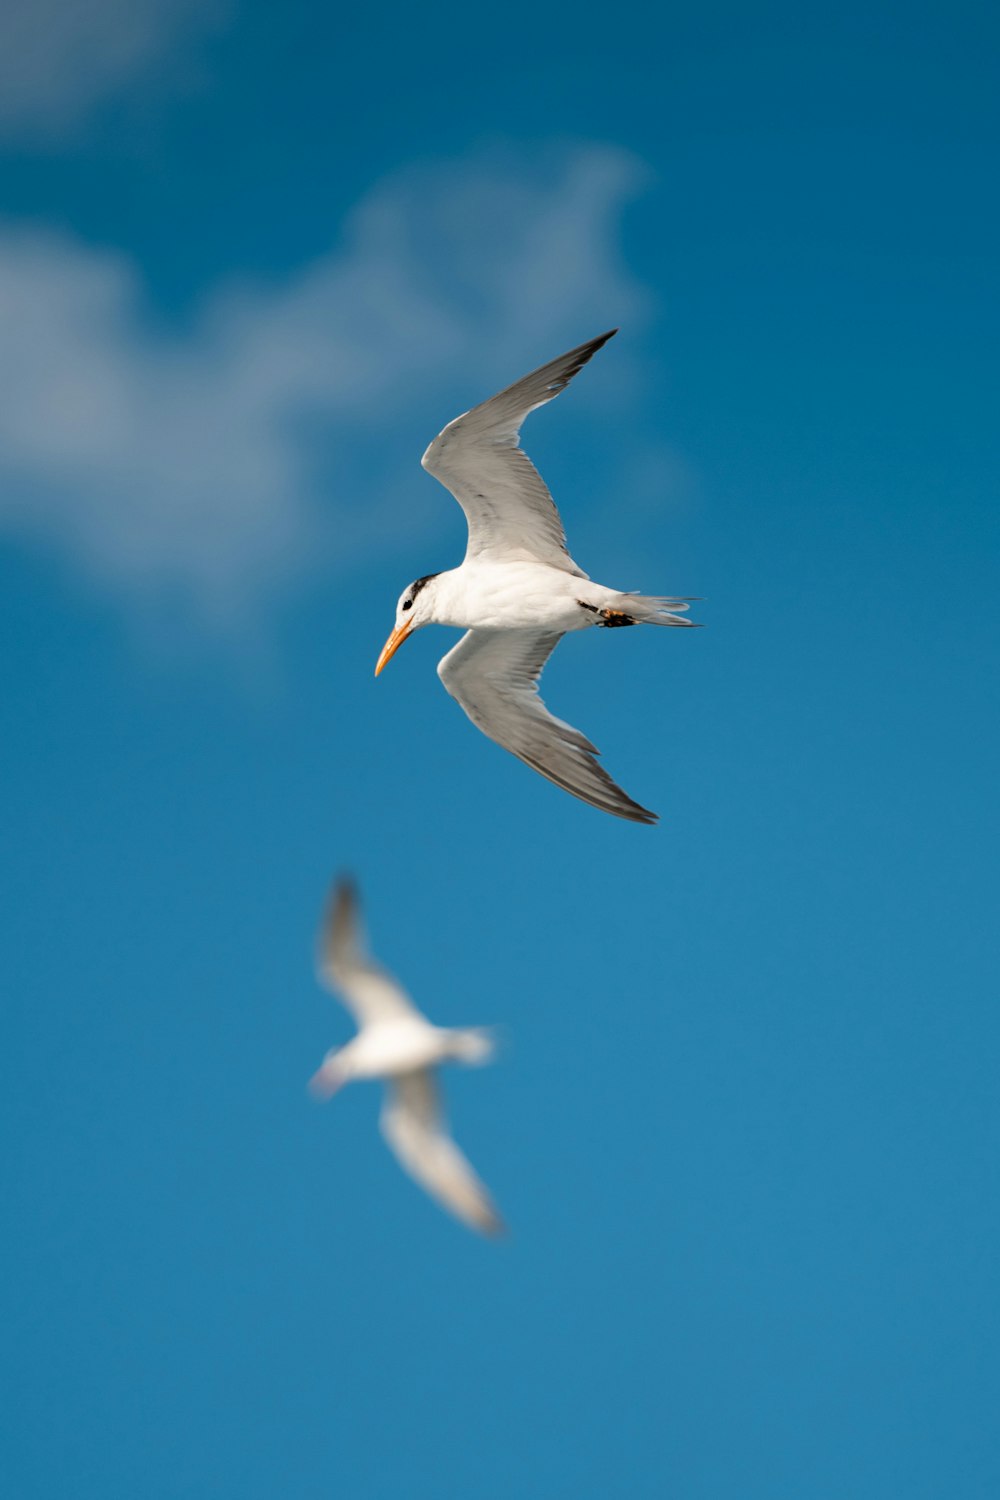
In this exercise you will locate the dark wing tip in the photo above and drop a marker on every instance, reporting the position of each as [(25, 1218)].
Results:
[(600, 341), (338, 932), (343, 895), (493, 1227), (562, 370), (586, 351), (633, 812)]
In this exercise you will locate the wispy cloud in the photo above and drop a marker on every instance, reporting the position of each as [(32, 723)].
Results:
[(216, 465), (60, 57)]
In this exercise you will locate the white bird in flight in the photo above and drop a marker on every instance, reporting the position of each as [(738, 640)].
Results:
[(518, 591), (399, 1045)]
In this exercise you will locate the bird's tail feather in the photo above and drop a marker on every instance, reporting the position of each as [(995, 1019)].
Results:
[(649, 609), (475, 1044)]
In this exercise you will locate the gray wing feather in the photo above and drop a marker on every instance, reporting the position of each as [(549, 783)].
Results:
[(369, 992), (415, 1129), (510, 512), (493, 675)]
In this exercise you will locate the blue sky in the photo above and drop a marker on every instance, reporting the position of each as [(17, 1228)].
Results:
[(745, 1131)]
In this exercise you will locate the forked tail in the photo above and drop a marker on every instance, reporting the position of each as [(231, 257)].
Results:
[(474, 1044), (648, 609)]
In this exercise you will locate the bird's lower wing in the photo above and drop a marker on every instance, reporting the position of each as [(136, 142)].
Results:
[(414, 1127), (507, 504), (493, 675), (369, 992)]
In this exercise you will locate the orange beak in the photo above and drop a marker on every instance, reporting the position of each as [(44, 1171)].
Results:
[(392, 645)]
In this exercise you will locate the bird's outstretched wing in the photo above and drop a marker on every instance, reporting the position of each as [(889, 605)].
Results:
[(510, 512), (369, 993), (415, 1128), (493, 675)]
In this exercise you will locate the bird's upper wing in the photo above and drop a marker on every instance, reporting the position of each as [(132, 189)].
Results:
[(414, 1126), (494, 675), (369, 993), (510, 512)]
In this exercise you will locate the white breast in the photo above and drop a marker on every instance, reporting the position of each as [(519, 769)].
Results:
[(484, 595), (396, 1047)]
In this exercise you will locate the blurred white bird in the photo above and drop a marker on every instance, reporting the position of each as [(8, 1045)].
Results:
[(399, 1045), (518, 591)]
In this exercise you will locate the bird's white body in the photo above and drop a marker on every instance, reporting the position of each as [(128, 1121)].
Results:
[(392, 1047), (386, 1049), (397, 1044), (518, 591), (487, 595)]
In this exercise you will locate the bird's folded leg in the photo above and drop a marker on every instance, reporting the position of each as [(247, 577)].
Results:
[(326, 1081)]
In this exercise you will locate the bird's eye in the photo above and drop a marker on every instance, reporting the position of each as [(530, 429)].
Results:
[(407, 603)]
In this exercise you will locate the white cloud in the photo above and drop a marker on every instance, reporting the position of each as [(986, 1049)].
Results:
[(60, 57), (219, 464)]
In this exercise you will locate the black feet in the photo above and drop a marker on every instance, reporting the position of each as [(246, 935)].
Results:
[(609, 617)]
